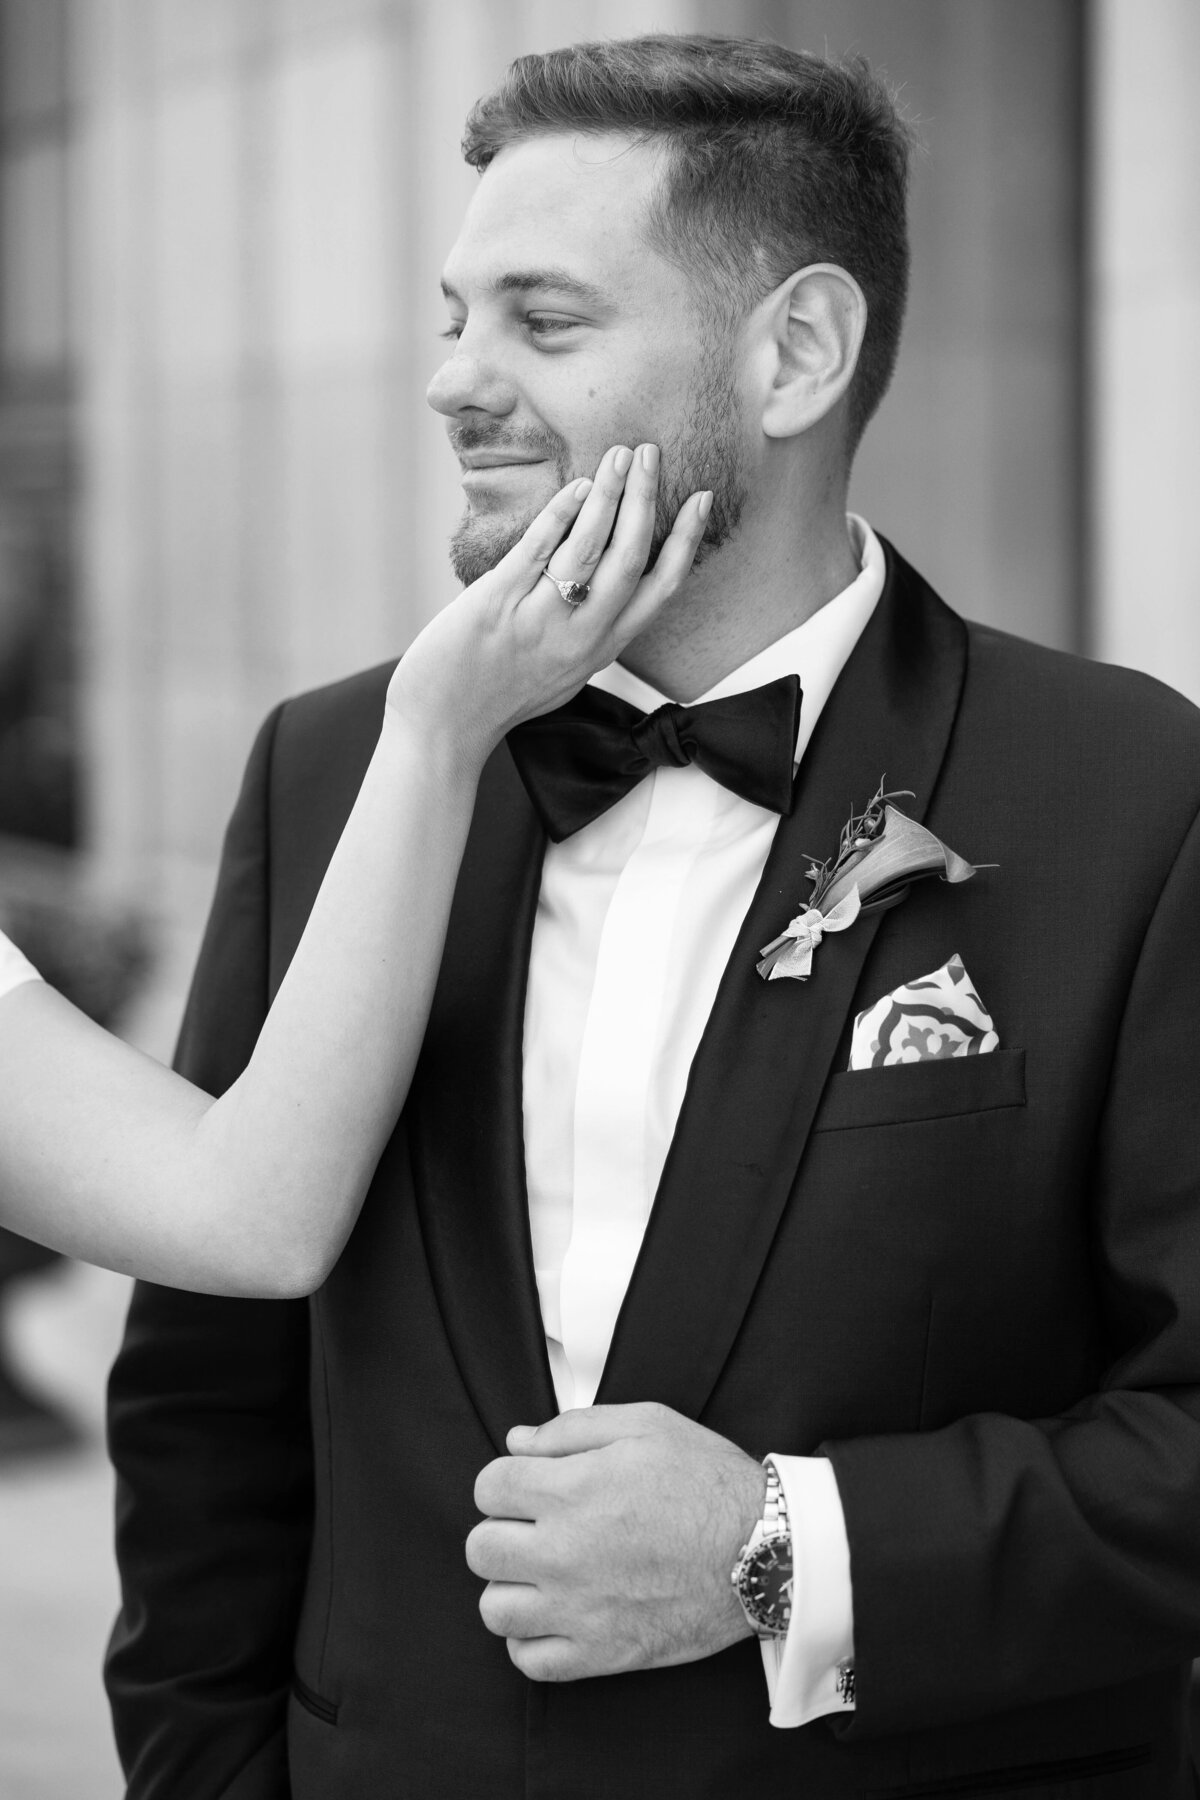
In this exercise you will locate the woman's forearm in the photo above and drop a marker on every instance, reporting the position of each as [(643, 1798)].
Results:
[(112, 1158), (300, 1132)]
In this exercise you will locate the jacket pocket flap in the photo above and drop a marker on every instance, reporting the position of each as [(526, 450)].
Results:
[(312, 1702), (908, 1092)]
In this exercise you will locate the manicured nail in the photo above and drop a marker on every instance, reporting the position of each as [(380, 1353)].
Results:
[(705, 506), (522, 1434), (622, 460), (650, 458), (582, 489)]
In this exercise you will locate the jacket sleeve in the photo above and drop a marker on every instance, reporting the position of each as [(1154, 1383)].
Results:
[(1000, 1561), (209, 1435)]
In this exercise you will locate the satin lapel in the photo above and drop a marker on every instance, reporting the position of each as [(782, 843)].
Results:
[(466, 1120), (768, 1046)]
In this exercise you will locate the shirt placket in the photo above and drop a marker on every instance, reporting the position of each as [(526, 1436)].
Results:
[(613, 1182)]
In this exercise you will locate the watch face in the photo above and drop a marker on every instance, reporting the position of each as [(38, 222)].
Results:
[(764, 1583)]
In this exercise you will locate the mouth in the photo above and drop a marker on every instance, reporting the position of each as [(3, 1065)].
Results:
[(477, 461)]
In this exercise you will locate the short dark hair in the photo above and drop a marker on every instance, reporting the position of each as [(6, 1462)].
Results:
[(776, 159)]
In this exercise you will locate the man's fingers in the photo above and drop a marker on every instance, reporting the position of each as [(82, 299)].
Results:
[(501, 1550), (546, 1658), (588, 1428), (508, 1489), (513, 1609)]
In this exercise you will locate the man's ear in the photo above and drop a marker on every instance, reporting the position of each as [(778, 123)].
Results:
[(812, 330)]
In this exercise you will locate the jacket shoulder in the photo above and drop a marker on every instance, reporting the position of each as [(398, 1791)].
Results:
[(1057, 738), (1065, 707), (320, 747), (1083, 704), (345, 714)]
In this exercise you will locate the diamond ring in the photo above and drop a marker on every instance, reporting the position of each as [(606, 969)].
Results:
[(573, 592)]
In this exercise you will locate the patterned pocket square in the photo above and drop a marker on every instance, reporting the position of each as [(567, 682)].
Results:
[(935, 1017)]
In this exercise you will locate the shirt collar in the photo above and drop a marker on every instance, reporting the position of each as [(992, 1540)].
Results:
[(816, 651)]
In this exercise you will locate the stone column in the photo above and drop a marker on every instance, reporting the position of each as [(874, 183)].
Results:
[(268, 189), (1145, 336)]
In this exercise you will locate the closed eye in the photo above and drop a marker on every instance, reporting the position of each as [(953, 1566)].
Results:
[(536, 324), (545, 324)]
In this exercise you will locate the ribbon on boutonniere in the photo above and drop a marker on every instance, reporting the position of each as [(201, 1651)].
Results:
[(882, 852)]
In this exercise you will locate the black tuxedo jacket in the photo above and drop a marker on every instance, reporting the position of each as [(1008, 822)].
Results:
[(974, 1284)]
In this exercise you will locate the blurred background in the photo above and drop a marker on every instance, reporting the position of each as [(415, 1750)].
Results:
[(221, 226)]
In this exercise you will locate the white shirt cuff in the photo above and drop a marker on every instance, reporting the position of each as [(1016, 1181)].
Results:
[(15, 968), (803, 1668)]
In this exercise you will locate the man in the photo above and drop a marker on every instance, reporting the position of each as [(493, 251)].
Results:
[(956, 1300)]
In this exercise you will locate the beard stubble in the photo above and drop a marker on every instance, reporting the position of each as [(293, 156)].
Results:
[(705, 453)]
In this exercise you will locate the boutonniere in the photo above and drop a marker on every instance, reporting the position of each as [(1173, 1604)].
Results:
[(881, 854)]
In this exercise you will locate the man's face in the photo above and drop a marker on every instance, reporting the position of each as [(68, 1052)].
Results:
[(572, 334)]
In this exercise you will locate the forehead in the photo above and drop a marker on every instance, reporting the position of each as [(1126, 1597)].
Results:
[(571, 202)]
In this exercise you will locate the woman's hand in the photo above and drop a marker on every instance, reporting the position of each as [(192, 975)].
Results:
[(511, 646)]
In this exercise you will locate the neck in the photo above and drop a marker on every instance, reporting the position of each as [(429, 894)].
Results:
[(755, 589)]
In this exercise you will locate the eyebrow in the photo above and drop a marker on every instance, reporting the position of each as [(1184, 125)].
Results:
[(549, 279)]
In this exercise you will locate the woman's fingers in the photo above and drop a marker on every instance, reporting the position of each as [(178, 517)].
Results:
[(521, 567), (582, 514), (577, 557), (670, 570), (599, 534), (624, 561), (607, 547)]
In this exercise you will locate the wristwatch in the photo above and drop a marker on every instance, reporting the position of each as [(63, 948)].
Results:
[(762, 1574)]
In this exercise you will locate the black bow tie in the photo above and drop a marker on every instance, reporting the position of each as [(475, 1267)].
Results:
[(582, 758)]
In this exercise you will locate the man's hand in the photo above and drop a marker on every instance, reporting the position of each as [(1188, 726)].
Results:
[(608, 1542)]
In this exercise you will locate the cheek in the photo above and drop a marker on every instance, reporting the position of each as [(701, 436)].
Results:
[(590, 420), (624, 397), (606, 420)]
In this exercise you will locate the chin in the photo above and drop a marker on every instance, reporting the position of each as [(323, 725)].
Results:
[(480, 540)]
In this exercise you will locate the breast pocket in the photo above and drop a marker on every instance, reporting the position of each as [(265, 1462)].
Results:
[(907, 1093)]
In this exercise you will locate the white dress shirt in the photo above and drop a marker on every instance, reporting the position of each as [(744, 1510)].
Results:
[(636, 919)]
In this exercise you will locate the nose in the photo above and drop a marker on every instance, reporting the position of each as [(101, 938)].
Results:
[(465, 383)]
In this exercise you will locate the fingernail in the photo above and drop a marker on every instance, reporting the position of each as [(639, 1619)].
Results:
[(650, 458), (622, 460), (582, 489), (705, 506), (522, 1434)]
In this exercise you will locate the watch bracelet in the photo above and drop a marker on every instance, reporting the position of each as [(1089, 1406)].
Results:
[(772, 1528)]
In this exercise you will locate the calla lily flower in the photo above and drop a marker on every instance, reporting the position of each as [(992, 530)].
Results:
[(882, 853)]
